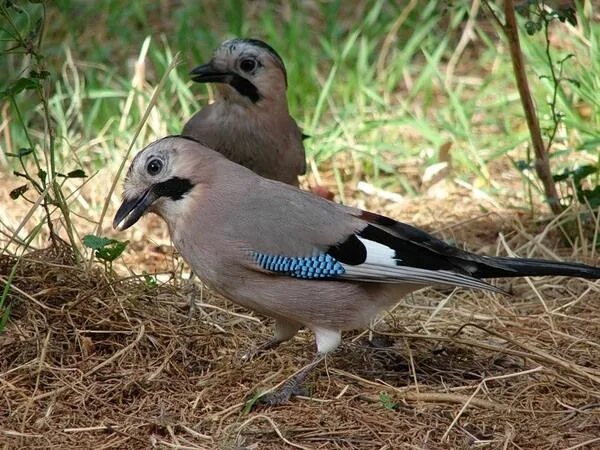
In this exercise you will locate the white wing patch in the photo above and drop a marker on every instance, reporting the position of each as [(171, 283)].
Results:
[(378, 254), (380, 266)]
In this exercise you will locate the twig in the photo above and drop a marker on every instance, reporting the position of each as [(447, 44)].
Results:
[(444, 397), (275, 428), (584, 444), (479, 386), (542, 163), (586, 372)]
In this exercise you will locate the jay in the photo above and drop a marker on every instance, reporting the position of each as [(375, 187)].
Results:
[(249, 122), (295, 257)]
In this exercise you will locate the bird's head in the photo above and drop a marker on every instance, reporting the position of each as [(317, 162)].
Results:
[(158, 180), (248, 70)]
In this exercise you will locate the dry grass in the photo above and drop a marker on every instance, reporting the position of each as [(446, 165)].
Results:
[(104, 363)]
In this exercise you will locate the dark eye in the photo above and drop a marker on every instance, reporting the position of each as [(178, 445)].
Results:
[(248, 65), (154, 166)]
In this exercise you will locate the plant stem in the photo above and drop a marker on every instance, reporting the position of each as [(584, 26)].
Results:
[(555, 83), (542, 162)]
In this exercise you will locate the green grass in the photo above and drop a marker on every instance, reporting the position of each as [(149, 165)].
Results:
[(373, 95)]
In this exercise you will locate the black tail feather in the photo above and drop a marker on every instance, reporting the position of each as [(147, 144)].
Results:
[(501, 267), (417, 248)]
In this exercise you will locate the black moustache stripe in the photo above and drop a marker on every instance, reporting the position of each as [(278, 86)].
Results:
[(174, 188), (245, 88)]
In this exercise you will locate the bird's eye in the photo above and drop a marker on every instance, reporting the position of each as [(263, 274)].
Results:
[(154, 166), (248, 65)]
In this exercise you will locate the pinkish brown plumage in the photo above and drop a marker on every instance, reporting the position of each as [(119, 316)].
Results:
[(293, 256), (249, 122)]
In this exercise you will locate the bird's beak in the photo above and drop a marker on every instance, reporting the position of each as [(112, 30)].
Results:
[(207, 73), (132, 209)]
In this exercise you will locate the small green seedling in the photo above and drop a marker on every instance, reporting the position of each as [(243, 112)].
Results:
[(105, 249), (387, 402), (150, 280)]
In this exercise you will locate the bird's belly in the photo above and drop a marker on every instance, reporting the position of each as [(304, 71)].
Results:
[(340, 305), (329, 304)]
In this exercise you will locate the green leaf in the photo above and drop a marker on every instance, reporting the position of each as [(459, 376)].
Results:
[(577, 174), (24, 152), (105, 249), (561, 176), (591, 144), (522, 165), (532, 27), (590, 196), (583, 172), (112, 251), (17, 192), (77, 173), (22, 84), (250, 403), (21, 153), (96, 242), (387, 402), (4, 316), (150, 280), (41, 75)]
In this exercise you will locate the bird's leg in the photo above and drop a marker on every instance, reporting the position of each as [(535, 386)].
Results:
[(192, 289), (327, 341), (292, 386), (267, 345), (283, 331)]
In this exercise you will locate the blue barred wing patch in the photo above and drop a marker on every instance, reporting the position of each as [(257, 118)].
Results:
[(311, 267)]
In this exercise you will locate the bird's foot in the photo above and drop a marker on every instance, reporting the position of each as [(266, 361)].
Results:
[(190, 287), (253, 352), (282, 395), (293, 386)]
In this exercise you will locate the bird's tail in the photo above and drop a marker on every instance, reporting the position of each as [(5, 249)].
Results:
[(419, 249), (501, 267)]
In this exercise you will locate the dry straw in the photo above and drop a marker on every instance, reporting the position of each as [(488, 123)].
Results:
[(88, 358)]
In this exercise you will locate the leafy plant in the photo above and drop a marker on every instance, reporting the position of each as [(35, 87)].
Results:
[(106, 250), (539, 18), (37, 160), (576, 177)]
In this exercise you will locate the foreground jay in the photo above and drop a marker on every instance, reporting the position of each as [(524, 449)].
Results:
[(293, 256), (249, 122)]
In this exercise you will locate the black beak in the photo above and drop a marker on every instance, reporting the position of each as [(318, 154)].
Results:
[(207, 73), (131, 210)]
